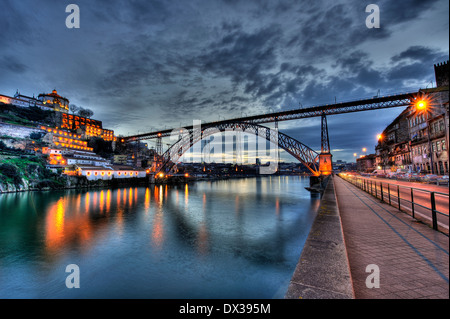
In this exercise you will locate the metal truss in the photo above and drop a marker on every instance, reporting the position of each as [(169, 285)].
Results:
[(375, 103), (325, 148), (189, 137)]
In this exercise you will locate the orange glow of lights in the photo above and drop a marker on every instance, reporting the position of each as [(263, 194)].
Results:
[(421, 105), (379, 137), (161, 175), (55, 225), (147, 199)]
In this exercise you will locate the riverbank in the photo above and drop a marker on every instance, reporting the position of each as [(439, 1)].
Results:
[(31, 175)]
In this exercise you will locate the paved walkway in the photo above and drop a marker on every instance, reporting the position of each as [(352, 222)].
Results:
[(412, 258)]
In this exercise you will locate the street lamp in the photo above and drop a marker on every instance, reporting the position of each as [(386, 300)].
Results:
[(380, 152), (422, 106)]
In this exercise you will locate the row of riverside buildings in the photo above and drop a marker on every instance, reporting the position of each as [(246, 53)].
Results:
[(417, 140), (66, 142)]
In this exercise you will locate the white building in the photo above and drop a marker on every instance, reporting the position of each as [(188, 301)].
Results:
[(93, 173), (50, 101)]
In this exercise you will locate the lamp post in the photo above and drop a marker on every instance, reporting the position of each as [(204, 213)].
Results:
[(429, 146), (422, 106)]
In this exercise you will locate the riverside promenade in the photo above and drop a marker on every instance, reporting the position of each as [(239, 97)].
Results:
[(412, 258)]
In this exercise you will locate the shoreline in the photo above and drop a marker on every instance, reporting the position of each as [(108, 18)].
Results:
[(137, 182)]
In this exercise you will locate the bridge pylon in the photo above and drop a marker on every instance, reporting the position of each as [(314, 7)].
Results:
[(325, 157)]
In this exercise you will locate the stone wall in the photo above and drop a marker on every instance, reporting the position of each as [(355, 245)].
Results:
[(18, 131)]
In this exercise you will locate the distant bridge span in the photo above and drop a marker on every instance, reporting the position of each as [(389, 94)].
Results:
[(300, 151), (375, 103)]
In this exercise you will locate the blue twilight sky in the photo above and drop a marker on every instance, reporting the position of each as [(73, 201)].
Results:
[(145, 64)]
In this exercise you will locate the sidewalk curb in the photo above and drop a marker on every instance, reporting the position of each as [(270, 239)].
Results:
[(323, 270)]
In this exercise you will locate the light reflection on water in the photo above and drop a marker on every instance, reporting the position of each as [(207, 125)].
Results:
[(223, 239)]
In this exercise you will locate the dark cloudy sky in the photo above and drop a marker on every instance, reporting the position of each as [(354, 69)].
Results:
[(144, 65)]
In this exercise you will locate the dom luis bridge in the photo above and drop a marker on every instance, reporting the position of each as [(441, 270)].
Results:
[(320, 164)]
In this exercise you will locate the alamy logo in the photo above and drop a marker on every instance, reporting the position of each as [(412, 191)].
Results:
[(73, 280), (73, 19), (373, 280), (373, 19)]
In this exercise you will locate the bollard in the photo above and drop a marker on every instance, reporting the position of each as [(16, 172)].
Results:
[(433, 210), (398, 196), (376, 195), (412, 202), (381, 190), (389, 195)]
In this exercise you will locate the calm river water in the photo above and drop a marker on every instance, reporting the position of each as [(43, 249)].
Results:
[(237, 238)]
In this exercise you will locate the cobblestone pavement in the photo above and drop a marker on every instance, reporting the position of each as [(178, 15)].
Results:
[(412, 258)]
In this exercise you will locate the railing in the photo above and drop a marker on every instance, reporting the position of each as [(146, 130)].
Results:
[(429, 207)]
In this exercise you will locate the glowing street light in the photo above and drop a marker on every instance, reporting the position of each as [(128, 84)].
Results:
[(364, 149), (421, 105), (379, 137)]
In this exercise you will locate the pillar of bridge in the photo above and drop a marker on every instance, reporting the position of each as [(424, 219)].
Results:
[(325, 157), (325, 164)]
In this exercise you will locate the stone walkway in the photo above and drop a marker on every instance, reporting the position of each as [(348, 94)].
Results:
[(412, 258)]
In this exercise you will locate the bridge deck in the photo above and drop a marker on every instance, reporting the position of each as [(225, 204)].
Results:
[(412, 258)]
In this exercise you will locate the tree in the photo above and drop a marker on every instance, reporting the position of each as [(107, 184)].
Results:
[(11, 172), (3, 146), (85, 112), (35, 136), (73, 108)]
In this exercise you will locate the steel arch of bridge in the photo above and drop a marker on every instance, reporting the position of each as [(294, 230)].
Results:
[(300, 151)]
